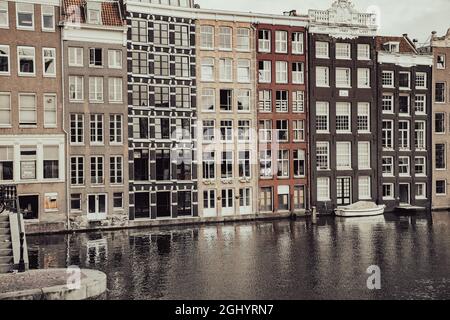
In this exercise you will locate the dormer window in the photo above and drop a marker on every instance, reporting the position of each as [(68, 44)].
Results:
[(392, 46), (94, 16), (94, 10)]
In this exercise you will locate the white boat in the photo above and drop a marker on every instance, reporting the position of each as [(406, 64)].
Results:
[(360, 209)]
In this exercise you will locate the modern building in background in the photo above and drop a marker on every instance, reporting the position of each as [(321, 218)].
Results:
[(440, 49), (162, 102), (283, 115), (227, 154), (95, 105), (343, 110), (32, 139), (404, 126)]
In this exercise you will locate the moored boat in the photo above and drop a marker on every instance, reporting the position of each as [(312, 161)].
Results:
[(360, 209)]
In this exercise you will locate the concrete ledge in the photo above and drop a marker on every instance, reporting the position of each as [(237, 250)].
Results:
[(51, 284)]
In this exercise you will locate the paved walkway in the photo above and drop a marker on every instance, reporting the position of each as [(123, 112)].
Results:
[(51, 284)]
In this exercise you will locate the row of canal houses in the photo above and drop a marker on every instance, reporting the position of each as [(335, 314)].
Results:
[(133, 113)]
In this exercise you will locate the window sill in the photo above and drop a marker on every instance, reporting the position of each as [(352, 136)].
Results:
[(28, 126), (6, 74), (388, 199), (24, 28), (31, 75), (76, 101), (5, 126)]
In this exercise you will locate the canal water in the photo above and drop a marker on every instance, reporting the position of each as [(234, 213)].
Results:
[(264, 260)]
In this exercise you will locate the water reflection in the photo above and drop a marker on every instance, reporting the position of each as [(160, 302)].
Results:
[(264, 260)]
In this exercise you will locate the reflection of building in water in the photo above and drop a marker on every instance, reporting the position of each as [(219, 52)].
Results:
[(97, 250)]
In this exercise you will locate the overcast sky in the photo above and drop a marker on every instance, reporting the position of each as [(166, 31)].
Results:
[(415, 17)]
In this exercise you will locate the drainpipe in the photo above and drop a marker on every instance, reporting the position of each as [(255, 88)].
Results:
[(307, 100), (64, 127)]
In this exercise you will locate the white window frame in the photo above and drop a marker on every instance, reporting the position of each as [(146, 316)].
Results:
[(265, 74), (76, 127), (409, 105), (387, 82), (48, 11), (364, 112), (243, 71), (264, 45), (8, 55), (244, 96), (115, 125), (420, 101), (225, 38), (420, 136), (404, 135), (343, 155), (323, 184), (363, 78), (324, 80), (322, 50), (407, 165), (425, 79), (438, 65), (364, 158), (281, 68), (77, 85), (74, 56), (364, 182), (409, 80), (206, 37), (116, 169), (207, 69), (281, 41), (391, 196), (226, 70), (363, 52), (423, 165), (298, 46), (33, 58), (243, 39), (33, 124), (96, 90), (323, 145), (298, 77), (343, 51), (52, 57), (423, 195), (323, 109), (25, 8), (298, 130), (391, 101), (343, 109), (343, 78), (46, 110), (115, 59), (265, 101), (5, 13), (298, 101), (445, 187), (389, 165), (115, 90), (208, 95), (7, 109), (391, 138)]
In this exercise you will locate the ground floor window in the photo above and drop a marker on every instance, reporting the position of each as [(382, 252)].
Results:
[(97, 206), (421, 191), (323, 189), (163, 205), (209, 200), (142, 205), (141, 165), (265, 199), (29, 206), (364, 188), (283, 198), (388, 191), (184, 203), (51, 202), (75, 202), (118, 200), (6, 163), (299, 197), (441, 187)]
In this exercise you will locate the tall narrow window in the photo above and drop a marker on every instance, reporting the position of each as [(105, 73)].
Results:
[(115, 59), (364, 155), (281, 41), (322, 77), (420, 135), (50, 120), (403, 135), (297, 43), (26, 61), (298, 73), (226, 70), (96, 89), (244, 164), (322, 156), (226, 100), (387, 135), (115, 129), (97, 170), (208, 99), (6, 163), (95, 57), (161, 34), (209, 165), (207, 37), (207, 70), (5, 109), (283, 164), (282, 130), (96, 128), (4, 60), (264, 39), (225, 38), (299, 163), (77, 170), (116, 169), (243, 70), (363, 78), (343, 51), (322, 117), (440, 92), (344, 155), (343, 117), (115, 89), (243, 39), (4, 19), (343, 78), (420, 104), (265, 164), (299, 130), (48, 18), (265, 71), (76, 128), (363, 117), (439, 121), (49, 62), (322, 50), (181, 36), (27, 109), (139, 31), (227, 165), (282, 103), (25, 16), (51, 162)]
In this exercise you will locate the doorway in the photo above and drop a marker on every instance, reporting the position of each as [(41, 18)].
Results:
[(344, 191), (405, 197)]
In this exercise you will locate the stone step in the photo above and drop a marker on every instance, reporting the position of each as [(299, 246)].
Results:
[(6, 252), (4, 224), (5, 268), (5, 238), (6, 260), (4, 218), (4, 231)]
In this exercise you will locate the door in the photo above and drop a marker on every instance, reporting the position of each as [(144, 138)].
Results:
[(163, 206), (245, 196), (29, 206), (209, 203), (227, 202), (344, 191), (96, 207), (405, 193)]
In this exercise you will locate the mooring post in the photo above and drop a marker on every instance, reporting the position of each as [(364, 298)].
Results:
[(314, 215)]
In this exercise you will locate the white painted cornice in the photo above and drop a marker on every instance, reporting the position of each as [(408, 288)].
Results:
[(404, 59)]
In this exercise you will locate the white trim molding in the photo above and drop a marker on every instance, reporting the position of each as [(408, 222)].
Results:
[(405, 60)]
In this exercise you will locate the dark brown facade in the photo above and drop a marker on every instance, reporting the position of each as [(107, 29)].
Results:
[(282, 111), (343, 121)]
